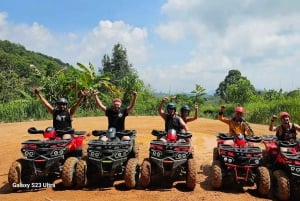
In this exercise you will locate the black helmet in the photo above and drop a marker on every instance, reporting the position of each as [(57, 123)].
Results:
[(62, 101), (185, 108), (171, 106)]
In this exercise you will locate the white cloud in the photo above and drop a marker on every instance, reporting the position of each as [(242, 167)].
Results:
[(102, 38), (196, 42), (262, 42)]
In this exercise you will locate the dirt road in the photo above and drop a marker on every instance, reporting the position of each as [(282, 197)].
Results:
[(204, 132)]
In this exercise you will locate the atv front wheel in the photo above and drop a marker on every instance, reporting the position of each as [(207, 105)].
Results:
[(217, 177), (281, 185), (81, 174), (191, 176), (68, 172), (145, 173), (263, 181), (132, 171), (14, 173)]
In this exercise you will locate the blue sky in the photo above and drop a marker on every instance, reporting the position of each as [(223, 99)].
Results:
[(173, 44)]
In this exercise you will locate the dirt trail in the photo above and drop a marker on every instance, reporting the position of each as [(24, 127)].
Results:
[(204, 132)]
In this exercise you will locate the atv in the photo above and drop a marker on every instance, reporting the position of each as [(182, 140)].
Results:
[(242, 161), (52, 157), (113, 158), (170, 158), (283, 158)]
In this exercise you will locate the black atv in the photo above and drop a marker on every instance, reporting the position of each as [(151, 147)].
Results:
[(52, 158), (171, 158), (242, 161), (112, 158)]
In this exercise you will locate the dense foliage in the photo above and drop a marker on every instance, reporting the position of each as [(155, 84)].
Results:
[(23, 70)]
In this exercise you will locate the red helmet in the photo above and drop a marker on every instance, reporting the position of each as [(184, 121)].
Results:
[(239, 109), (284, 114)]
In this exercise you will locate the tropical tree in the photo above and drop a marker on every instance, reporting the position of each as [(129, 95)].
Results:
[(236, 88), (118, 66), (232, 77), (198, 94), (241, 92), (12, 87)]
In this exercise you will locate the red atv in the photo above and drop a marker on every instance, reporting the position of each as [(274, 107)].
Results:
[(283, 158), (170, 159), (242, 160), (52, 157)]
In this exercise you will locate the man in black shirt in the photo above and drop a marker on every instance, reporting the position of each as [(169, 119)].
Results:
[(172, 120), (115, 114), (62, 115)]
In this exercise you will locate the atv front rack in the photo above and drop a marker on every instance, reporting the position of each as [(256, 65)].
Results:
[(47, 143)]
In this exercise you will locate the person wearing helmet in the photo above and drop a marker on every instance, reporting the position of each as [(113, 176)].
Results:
[(172, 120), (115, 114), (185, 112), (287, 130), (62, 115), (237, 125)]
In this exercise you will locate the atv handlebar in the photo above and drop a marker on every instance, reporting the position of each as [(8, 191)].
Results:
[(120, 133), (66, 131), (269, 137), (69, 130), (184, 135), (287, 144), (224, 136), (160, 134), (33, 130), (255, 139)]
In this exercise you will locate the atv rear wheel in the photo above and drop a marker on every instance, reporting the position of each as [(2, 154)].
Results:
[(81, 174), (132, 171), (145, 173), (263, 181), (68, 172), (217, 177), (191, 176), (14, 173), (281, 185)]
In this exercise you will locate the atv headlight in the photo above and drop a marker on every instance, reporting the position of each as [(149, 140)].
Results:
[(180, 155), (28, 153), (119, 154), (57, 152), (94, 154), (156, 153), (225, 159), (295, 169), (230, 160)]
